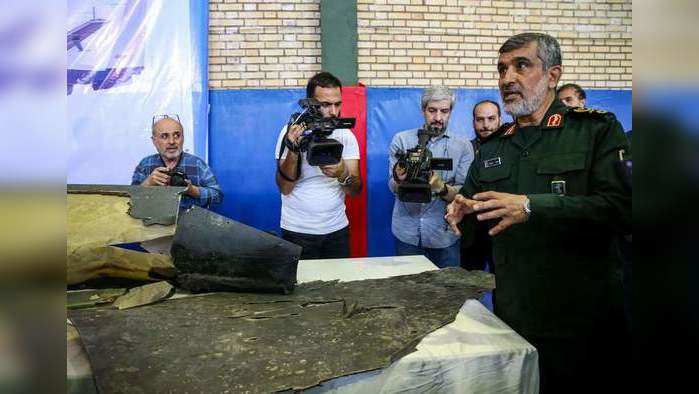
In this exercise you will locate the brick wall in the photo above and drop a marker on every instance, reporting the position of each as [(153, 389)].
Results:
[(455, 42), (263, 43)]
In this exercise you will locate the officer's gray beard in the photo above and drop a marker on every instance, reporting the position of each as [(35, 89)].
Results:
[(529, 105)]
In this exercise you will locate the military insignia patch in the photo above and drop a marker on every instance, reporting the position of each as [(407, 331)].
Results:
[(510, 131), (558, 187), (494, 162), (582, 110), (554, 120)]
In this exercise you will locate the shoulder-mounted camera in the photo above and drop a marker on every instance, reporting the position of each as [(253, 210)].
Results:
[(419, 163), (320, 150)]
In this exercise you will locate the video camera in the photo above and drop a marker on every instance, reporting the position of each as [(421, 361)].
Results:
[(419, 164), (319, 149)]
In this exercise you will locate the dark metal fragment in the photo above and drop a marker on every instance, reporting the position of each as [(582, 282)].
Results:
[(233, 342), (215, 253)]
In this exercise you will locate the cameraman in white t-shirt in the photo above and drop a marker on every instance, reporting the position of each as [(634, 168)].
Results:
[(313, 202)]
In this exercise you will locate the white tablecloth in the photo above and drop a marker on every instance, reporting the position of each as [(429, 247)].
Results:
[(477, 353)]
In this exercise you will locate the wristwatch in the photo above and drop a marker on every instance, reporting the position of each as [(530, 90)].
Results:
[(527, 208), (347, 181)]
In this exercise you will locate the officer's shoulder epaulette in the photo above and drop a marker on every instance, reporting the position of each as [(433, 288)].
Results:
[(504, 130), (591, 113)]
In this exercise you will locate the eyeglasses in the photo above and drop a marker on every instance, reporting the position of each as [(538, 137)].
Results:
[(158, 118)]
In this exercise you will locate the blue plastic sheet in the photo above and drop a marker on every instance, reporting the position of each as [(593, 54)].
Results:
[(244, 127)]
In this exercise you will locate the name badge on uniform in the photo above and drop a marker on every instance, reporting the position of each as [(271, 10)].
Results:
[(494, 162), (558, 187)]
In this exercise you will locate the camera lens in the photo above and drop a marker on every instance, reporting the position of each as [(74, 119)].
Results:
[(178, 178)]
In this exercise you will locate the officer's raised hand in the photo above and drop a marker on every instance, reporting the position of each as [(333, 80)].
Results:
[(456, 210), (512, 208)]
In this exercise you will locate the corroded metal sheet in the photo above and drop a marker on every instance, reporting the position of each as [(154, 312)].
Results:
[(144, 295), (155, 205), (228, 342), (215, 253)]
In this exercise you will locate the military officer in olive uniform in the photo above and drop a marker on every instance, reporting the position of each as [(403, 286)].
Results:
[(548, 187)]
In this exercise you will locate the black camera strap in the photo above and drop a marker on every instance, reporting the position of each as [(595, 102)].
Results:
[(284, 145)]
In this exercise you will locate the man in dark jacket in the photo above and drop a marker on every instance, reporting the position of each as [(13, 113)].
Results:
[(477, 254), (548, 185)]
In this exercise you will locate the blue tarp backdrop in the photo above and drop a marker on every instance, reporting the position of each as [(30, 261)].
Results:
[(244, 126)]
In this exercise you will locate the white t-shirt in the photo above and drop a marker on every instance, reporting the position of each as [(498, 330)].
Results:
[(316, 205)]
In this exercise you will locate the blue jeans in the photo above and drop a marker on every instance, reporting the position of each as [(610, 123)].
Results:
[(441, 257)]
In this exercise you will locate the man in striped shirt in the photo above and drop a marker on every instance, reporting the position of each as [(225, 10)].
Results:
[(168, 139)]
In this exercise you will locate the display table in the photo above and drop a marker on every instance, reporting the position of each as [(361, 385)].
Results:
[(477, 353)]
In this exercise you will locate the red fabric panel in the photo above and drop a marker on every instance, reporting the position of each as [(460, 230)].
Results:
[(354, 106)]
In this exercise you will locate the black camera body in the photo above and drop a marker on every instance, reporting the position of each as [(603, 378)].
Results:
[(177, 178), (419, 164), (320, 150)]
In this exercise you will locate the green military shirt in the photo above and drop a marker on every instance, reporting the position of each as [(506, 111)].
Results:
[(555, 273)]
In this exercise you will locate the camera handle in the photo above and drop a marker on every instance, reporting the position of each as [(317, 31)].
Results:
[(291, 123), (281, 151)]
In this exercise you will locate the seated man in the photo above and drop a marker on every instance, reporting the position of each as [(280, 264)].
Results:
[(419, 228), (156, 170), (313, 197)]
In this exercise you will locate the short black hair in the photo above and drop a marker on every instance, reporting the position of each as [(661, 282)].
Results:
[(548, 49), (578, 90), (323, 79), (483, 102)]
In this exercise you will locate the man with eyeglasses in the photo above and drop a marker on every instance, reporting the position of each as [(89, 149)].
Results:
[(313, 197), (171, 163)]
